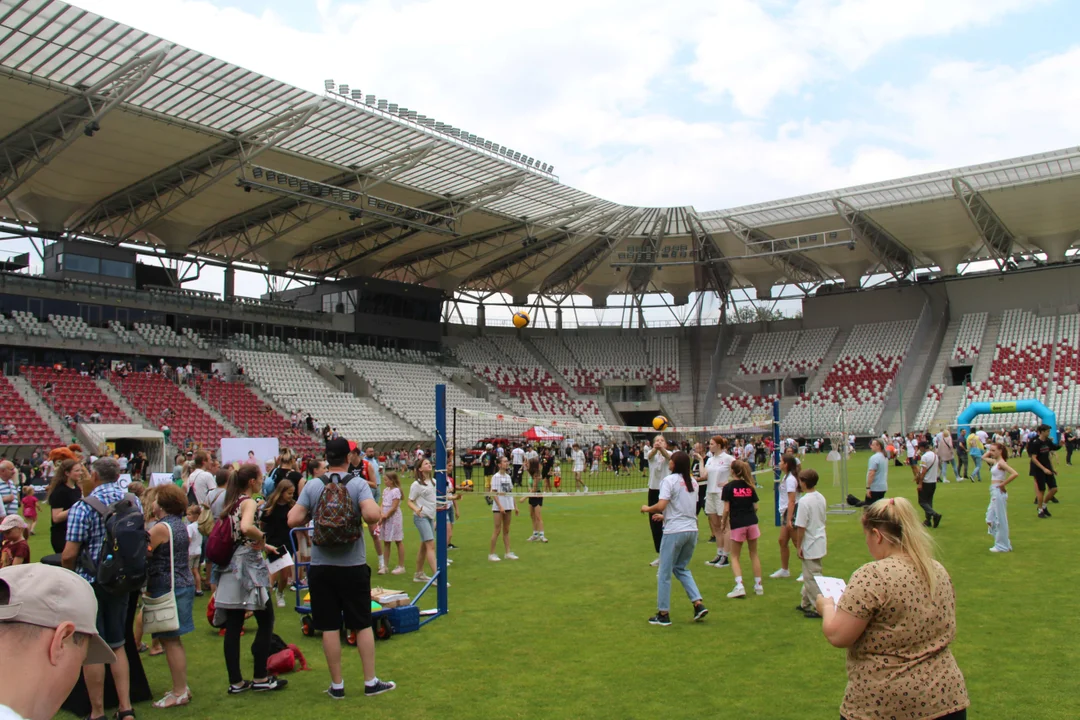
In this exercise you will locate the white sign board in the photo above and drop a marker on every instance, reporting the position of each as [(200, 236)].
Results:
[(249, 450)]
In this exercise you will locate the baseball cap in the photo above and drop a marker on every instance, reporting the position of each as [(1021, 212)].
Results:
[(338, 447), (11, 522), (46, 596)]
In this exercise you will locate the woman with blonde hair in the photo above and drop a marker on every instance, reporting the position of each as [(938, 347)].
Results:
[(897, 618)]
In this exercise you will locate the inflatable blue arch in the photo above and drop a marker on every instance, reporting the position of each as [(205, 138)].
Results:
[(1045, 414)]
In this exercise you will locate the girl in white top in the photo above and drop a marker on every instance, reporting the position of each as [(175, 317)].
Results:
[(502, 504), (717, 471), (578, 457), (422, 503), (997, 518), (677, 508), (789, 486)]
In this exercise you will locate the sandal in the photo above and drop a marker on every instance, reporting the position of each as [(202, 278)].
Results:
[(121, 714), (155, 653), (173, 700), (143, 647)]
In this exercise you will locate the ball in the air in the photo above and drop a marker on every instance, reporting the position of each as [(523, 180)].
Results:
[(521, 319), (660, 423)]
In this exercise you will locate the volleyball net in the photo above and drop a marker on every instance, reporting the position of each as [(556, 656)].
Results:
[(579, 458)]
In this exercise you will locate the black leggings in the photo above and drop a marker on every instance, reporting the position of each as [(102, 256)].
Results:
[(926, 499), (260, 647), (656, 527), (872, 496), (958, 715)]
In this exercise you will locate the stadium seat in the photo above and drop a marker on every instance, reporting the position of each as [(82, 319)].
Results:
[(30, 427), (73, 393)]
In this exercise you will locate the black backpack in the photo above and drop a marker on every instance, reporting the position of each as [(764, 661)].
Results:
[(121, 566)]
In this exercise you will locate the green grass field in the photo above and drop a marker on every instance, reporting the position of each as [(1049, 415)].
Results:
[(562, 634)]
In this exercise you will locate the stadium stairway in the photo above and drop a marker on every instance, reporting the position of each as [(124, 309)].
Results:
[(981, 371), (546, 364), (915, 375), (680, 404), (949, 407), (55, 422), (212, 412), (815, 383), (136, 417)]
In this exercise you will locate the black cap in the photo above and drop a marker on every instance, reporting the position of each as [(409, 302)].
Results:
[(338, 447)]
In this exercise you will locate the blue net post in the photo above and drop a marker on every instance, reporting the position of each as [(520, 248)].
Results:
[(776, 460), (440, 493)]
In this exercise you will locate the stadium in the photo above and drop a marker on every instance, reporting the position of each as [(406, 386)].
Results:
[(397, 249)]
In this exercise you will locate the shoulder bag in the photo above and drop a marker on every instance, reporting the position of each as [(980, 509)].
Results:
[(160, 614)]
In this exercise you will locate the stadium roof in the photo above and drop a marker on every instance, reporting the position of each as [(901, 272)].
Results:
[(111, 133)]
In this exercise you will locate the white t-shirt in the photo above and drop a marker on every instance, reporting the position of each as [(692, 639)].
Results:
[(789, 484), (194, 540), (912, 449), (718, 469), (658, 470), (122, 461), (930, 460), (680, 513), (748, 452), (579, 460), (424, 497), (811, 515), (202, 482), (517, 456), (982, 435), (502, 483), (531, 455)]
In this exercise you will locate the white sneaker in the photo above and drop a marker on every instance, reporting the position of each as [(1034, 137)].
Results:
[(800, 578), (281, 599), (738, 592), (655, 563), (531, 538), (399, 570), (758, 590), (586, 488), (494, 558), (945, 480), (420, 578), (449, 561), (510, 556), (781, 573), (382, 570), (542, 538)]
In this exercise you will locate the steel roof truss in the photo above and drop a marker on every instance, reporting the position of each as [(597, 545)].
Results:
[(30, 148), (997, 237), (895, 257)]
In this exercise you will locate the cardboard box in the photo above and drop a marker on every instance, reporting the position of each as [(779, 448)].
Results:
[(389, 598)]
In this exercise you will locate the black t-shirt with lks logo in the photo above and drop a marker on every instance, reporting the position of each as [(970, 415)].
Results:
[(742, 498)]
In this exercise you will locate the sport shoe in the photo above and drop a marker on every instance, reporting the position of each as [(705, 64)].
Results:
[(1043, 514), (336, 693), (379, 687), (715, 562), (270, 683), (510, 556), (724, 562), (655, 563), (937, 520), (382, 570), (399, 570), (758, 590), (494, 558), (700, 611), (420, 578), (280, 600), (800, 578), (781, 573), (586, 488), (542, 538), (1046, 512), (531, 538), (450, 546), (658, 619), (1054, 500), (997, 549), (738, 592), (241, 688)]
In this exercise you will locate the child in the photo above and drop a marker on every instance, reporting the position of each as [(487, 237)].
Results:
[(194, 546), (789, 485), (451, 508), (422, 503), (393, 529), (501, 506), (740, 516), (29, 506), (15, 550), (557, 472), (997, 519), (275, 526), (536, 504), (810, 539), (578, 458)]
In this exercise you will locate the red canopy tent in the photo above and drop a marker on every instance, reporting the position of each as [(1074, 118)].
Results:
[(540, 433)]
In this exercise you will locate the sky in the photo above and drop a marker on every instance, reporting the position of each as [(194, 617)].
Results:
[(709, 103)]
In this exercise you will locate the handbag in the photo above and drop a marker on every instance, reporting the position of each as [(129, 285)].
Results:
[(160, 614)]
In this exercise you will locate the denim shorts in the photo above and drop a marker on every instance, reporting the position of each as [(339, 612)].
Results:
[(426, 526), (112, 617), (185, 600)]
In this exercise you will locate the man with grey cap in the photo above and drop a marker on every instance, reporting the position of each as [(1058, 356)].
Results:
[(47, 633)]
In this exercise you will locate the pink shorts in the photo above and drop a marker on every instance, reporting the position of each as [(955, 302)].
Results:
[(750, 532)]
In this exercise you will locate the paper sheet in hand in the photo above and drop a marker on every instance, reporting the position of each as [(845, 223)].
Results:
[(830, 587), (285, 561)]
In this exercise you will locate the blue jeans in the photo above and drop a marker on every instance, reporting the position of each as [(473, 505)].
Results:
[(977, 459), (676, 550)]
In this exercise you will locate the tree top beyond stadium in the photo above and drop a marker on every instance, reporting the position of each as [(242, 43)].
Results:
[(113, 134)]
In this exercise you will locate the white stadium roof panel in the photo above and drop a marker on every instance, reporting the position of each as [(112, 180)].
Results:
[(178, 105)]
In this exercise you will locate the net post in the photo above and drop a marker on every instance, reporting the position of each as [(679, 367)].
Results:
[(440, 492), (776, 461)]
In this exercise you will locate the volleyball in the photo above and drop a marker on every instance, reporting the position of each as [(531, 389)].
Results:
[(660, 423), (521, 319)]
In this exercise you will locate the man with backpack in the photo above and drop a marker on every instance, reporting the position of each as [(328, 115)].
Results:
[(108, 517), (339, 578)]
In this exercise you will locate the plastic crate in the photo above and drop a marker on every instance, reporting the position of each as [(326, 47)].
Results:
[(405, 619)]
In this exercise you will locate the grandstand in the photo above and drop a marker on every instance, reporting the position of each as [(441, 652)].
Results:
[(918, 295)]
